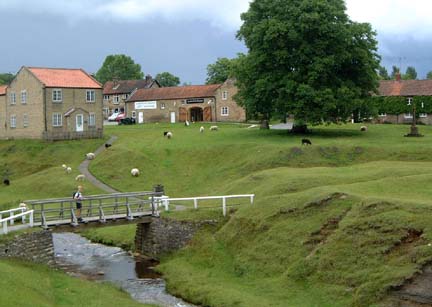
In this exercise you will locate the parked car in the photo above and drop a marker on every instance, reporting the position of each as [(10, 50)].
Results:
[(127, 121), (120, 117), (113, 117)]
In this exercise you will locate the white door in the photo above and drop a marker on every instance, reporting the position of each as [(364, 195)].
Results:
[(140, 117), (79, 123), (173, 118)]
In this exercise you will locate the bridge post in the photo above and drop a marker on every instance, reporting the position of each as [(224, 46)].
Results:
[(224, 209), (12, 220), (31, 221), (195, 203), (252, 199)]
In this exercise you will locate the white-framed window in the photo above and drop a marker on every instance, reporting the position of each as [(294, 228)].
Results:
[(92, 119), (57, 95), (106, 97), (116, 99), (106, 111), (382, 115), (24, 97), (409, 101), (90, 96), (25, 121), (423, 115), (12, 97), (133, 114), (57, 120), (408, 115), (13, 121), (224, 111), (162, 105), (125, 96), (224, 95)]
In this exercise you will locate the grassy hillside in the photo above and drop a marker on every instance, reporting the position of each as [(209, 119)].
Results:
[(24, 284), (34, 169), (334, 224)]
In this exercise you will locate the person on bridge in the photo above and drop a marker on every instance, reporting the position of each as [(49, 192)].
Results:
[(78, 197)]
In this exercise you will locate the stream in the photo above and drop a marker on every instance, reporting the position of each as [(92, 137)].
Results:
[(81, 258)]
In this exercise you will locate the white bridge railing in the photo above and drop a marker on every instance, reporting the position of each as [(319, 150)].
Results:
[(165, 200), (12, 216)]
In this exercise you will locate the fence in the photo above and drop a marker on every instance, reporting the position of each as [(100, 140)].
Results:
[(165, 200), (72, 135), (12, 217), (56, 211)]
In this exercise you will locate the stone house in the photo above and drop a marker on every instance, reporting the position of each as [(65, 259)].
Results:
[(195, 103), (116, 92), (2, 110), (406, 92), (53, 104)]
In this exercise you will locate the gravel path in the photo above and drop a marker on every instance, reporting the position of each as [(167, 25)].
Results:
[(83, 168)]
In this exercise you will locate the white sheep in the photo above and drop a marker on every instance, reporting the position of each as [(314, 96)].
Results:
[(214, 128), (363, 128), (23, 206), (64, 166), (135, 172), (68, 170), (201, 129), (169, 135), (90, 156), (80, 177)]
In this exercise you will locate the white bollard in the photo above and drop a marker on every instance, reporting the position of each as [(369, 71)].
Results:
[(195, 203), (224, 206)]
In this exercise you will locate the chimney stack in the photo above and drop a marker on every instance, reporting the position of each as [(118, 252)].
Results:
[(148, 78), (398, 76), (115, 81)]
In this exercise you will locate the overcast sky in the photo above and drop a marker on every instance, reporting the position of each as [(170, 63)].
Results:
[(179, 36)]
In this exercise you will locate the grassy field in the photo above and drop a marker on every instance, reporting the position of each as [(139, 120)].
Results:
[(293, 247), (334, 224), (38, 286)]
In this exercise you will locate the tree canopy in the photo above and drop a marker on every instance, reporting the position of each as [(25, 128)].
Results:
[(220, 71), (383, 73), (306, 57), (167, 79), (429, 75), (119, 66), (410, 74), (6, 78)]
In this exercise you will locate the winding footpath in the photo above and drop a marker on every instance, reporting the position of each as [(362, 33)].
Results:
[(84, 169)]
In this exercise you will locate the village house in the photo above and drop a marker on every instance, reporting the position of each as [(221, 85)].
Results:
[(53, 104), (406, 93), (2, 110), (195, 103), (116, 92)]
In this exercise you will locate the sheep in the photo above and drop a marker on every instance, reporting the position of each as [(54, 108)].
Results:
[(6, 182), (80, 177), (214, 128), (187, 123), (90, 156), (363, 128), (107, 145), (68, 170), (306, 142), (201, 129), (64, 166), (23, 206), (165, 133), (135, 172), (169, 135)]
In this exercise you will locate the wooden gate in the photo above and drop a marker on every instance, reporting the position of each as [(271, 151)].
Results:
[(183, 114), (207, 114)]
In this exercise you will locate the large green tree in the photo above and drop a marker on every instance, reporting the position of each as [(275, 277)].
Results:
[(167, 79), (306, 58), (429, 75), (410, 74), (220, 71), (6, 78), (119, 66), (383, 73)]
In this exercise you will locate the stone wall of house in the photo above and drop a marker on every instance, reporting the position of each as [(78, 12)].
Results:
[(161, 236), (225, 99), (2, 116), (36, 247)]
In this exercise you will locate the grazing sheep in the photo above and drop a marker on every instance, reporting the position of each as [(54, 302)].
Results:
[(90, 156), (306, 142), (201, 129), (80, 177), (107, 145), (214, 128), (6, 182), (169, 135), (68, 170), (135, 172), (23, 205), (363, 128), (64, 166), (187, 123), (165, 133)]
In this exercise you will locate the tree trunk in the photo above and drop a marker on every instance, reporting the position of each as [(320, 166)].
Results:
[(265, 124)]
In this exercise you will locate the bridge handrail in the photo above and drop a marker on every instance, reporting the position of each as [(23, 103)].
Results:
[(11, 210), (4, 221)]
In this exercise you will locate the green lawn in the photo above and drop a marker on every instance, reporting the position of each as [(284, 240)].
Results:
[(280, 251)]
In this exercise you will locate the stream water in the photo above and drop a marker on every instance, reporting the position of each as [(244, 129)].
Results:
[(80, 257)]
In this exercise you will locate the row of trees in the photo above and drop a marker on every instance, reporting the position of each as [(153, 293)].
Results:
[(410, 73)]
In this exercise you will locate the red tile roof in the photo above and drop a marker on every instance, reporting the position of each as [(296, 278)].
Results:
[(126, 86), (176, 92), (405, 88), (3, 90), (63, 77)]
